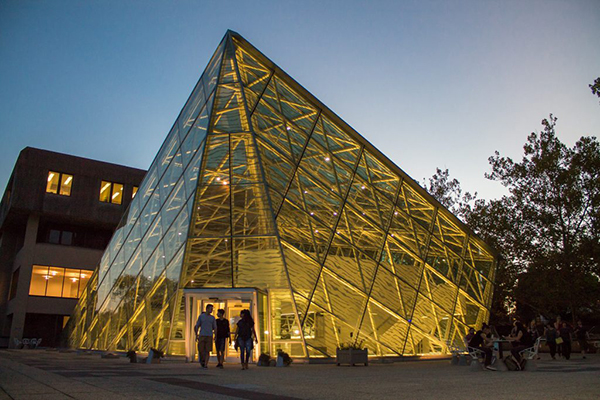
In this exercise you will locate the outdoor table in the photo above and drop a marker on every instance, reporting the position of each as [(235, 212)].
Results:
[(499, 363), (498, 346)]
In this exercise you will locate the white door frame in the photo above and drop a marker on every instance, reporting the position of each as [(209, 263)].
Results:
[(192, 295)]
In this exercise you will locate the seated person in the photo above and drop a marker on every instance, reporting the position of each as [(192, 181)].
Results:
[(481, 340), (469, 336), (521, 340)]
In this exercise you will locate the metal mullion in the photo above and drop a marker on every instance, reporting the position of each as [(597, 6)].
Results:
[(344, 201), (270, 204), (185, 256), (386, 232)]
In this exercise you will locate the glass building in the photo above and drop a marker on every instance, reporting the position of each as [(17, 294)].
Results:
[(261, 198)]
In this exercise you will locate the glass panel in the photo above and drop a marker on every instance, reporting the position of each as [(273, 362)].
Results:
[(53, 180), (294, 107), (71, 283), (83, 280), (302, 270), (196, 136), (134, 191), (257, 263), (105, 191), (65, 184), (254, 75), (117, 193), (278, 169), (208, 264), (251, 214), (55, 281), (173, 205), (177, 234), (341, 145), (191, 110), (39, 279), (212, 216)]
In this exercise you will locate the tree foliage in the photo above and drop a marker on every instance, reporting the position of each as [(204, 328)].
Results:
[(546, 229), (449, 193), (596, 87)]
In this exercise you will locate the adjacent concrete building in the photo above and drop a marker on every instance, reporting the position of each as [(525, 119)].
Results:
[(57, 215)]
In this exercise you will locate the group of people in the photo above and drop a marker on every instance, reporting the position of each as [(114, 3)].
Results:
[(558, 336), (208, 327)]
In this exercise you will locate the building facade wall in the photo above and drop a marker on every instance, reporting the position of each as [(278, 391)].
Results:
[(28, 212)]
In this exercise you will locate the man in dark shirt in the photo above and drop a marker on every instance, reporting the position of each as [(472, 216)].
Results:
[(223, 334), (482, 341), (582, 336)]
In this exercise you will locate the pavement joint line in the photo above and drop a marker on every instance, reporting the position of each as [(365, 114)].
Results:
[(36, 380), (223, 390), (6, 393)]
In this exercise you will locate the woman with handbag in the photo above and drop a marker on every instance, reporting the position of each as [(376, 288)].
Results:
[(565, 335)]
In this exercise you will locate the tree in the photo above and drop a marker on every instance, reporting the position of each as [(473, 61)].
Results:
[(547, 229), (596, 87), (449, 193)]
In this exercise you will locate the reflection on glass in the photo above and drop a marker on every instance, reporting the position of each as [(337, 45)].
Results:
[(59, 183), (135, 190), (111, 192), (65, 184), (105, 191), (117, 193)]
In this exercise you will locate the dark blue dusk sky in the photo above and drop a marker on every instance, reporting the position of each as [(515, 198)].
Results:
[(430, 83)]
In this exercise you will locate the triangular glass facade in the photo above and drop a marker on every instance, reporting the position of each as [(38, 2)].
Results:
[(259, 185)]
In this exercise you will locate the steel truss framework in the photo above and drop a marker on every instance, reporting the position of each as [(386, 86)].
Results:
[(258, 184)]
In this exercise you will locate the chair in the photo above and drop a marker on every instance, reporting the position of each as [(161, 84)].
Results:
[(18, 343), (477, 358), (39, 341), (458, 354), (529, 355), (33, 343), (25, 343)]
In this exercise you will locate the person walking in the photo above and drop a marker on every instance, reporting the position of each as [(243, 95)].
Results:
[(551, 335), (565, 335), (558, 325), (582, 335), (245, 336), (205, 326), (223, 334)]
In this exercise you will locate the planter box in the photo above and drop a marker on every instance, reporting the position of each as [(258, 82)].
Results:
[(352, 356)]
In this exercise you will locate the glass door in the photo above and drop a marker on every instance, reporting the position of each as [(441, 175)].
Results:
[(233, 302)]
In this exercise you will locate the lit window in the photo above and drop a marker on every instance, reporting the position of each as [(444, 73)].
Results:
[(135, 189), (39, 278), (111, 192), (59, 183), (58, 282)]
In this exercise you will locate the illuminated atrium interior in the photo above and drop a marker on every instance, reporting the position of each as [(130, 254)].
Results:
[(262, 198)]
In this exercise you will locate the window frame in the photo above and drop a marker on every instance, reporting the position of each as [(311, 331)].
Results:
[(62, 176), (111, 192), (65, 270)]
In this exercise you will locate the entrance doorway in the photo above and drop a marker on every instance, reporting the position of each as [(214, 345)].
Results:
[(233, 301)]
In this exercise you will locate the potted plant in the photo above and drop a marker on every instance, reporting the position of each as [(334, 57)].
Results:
[(352, 353)]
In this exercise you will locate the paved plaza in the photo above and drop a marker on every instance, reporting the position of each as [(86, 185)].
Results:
[(42, 374)]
